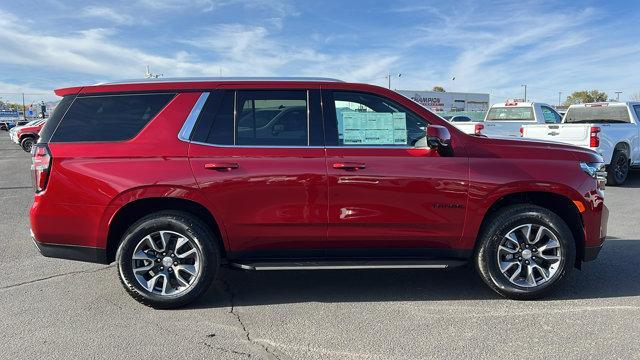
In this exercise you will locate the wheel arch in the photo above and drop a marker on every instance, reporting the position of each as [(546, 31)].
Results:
[(131, 211), (624, 146), (559, 204), (27, 135)]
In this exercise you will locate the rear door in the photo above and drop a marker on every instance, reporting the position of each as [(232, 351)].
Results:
[(258, 157), (387, 190)]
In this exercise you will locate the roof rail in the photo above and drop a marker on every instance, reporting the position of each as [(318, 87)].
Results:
[(220, 79)]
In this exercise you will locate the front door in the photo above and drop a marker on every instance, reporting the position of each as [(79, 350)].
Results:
[(387, 190), (259, 160)]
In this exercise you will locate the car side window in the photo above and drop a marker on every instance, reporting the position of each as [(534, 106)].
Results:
[(637, 110), (364, 119), (261, 118), (550, 115), (269, 117)]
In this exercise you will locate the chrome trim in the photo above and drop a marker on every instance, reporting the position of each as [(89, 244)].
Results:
[(258, 146), (308, 120), (190, 122), (339, 267), (235, 110), (219, 79), (302, 146)]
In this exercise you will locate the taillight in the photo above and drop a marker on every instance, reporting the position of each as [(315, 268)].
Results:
[(478, 129), (594, 139), (521, 131), (41, 164)]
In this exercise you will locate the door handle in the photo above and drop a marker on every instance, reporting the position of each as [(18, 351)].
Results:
[(349, 166), (221, 166)]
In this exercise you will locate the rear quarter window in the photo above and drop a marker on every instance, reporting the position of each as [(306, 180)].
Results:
[(108, 117)]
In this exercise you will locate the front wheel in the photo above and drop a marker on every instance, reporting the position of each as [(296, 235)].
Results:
[(167, 259), (525, 251)]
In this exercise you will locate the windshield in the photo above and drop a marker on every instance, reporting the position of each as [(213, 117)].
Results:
[(602, 114), (510, 113)]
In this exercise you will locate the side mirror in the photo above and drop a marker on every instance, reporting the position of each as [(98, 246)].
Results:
[(438, 137)]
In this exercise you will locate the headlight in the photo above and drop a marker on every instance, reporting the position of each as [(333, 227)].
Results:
[(591, 168), (597, 171)]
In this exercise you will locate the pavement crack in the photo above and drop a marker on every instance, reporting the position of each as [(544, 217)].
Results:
[(54, 276), (225, 350), (232, 310)]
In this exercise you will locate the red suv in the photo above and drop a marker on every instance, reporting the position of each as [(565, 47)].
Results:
[(174, 178)]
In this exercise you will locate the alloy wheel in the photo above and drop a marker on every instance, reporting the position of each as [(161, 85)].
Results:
[(166, 262), (529, 255), (621, 168)]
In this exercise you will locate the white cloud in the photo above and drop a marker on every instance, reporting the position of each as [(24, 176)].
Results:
[(499, 48), (237, 50), (107, 14)]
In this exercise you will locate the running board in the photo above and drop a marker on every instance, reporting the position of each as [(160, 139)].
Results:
[(348, 265)]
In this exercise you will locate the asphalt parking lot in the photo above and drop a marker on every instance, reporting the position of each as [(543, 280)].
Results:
[(59, 309)]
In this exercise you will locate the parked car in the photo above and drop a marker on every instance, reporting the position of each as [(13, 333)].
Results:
[(160, 177), (10, 124), (506, 119), (610, 128), (27, 135)]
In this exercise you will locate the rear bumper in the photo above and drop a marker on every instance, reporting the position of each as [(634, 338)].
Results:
[(72, 252)]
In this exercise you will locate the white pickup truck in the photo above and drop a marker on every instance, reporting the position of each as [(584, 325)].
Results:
[(610, 128), (506, 119)]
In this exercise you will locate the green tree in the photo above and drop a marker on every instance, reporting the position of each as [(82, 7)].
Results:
[(586, 96), (438, 89)]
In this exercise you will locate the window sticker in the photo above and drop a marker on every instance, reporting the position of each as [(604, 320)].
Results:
[(370, 128)]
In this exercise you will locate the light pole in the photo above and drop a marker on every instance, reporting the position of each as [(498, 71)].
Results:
[(389, 79), (559, 97), (24, 110), (618, 95), (525, 92)]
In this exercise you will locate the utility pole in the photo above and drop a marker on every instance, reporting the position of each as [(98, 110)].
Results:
[(389, 80), (24, 110), (559, 97), (618, 95), (525, 92)]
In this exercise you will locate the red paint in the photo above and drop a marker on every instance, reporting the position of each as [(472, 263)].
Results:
[(29, 131), (305, 197)]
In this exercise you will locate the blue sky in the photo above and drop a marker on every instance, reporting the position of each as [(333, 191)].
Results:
[(491, 47)]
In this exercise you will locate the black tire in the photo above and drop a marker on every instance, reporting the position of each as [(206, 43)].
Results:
[(618, 170), (27, 143), (187, 226), (498, 226)]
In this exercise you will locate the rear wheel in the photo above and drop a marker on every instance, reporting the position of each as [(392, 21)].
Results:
[(618, 170), (167, 259), (525, 252), (27, 143)]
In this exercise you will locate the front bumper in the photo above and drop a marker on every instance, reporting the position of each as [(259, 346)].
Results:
[(591, 252), (71, 252)]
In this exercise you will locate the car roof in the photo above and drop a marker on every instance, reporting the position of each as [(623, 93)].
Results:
[(187, 83)]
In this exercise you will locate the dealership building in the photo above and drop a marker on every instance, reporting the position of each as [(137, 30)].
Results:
[(447, 102)]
